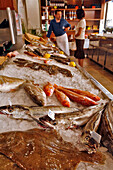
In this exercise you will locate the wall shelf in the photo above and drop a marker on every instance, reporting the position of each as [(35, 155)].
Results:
[(73, 9), (92, 15), (93, 19)]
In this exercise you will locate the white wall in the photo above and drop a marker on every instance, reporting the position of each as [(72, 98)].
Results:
[(33, 14), (22, 12), (109, 19)]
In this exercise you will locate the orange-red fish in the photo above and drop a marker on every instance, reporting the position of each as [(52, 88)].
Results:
[(63, 99), (48, 89), (77, 97), (85, 93)]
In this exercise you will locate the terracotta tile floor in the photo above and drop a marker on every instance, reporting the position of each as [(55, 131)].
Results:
[(102, 76)]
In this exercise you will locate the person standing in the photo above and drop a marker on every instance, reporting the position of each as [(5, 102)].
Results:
[(80, 36), (59, 26)]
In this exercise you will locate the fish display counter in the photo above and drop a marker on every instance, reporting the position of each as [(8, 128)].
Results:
[(52, 115)]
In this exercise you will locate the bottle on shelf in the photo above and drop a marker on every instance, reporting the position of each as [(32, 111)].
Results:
[(46, 26), (82, 6), (48, 2), (70, 15), (74, 15), (65, 4)]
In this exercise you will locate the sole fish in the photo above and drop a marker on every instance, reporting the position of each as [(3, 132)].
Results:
[(51, 69)]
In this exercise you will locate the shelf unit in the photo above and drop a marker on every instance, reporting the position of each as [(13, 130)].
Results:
[(93, 15)]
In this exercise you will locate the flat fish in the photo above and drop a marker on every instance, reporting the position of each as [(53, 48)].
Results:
[(6, 163), (60, 59), (36, 94), (9, 84), (51, 69), (40, 149)]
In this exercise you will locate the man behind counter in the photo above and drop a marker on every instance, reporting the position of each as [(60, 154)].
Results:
[(59, 26)]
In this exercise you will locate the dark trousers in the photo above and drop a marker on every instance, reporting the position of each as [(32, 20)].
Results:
[(79, 53)]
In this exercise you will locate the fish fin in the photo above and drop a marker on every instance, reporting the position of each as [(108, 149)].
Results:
[(55, 86), (12, 90)]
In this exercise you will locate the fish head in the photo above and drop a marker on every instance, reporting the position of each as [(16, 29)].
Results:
[(7, 109), (91, 143), (10, 110), (86, 137)]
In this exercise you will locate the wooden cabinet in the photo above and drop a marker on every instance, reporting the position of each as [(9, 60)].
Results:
[(102, 53), (8, 3)]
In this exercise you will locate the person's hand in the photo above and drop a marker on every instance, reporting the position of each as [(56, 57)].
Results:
[(53, 39), (66, 29)]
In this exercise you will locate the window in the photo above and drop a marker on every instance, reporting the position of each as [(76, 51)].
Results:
[(109, 14)]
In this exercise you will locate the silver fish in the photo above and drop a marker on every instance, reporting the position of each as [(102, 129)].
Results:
[(91, 128), (106, 128), (36, 94), (31, 113), (16, 112), (77, 118), (8, 84), (37, 112)]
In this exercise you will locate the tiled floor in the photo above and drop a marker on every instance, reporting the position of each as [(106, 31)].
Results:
[(102, 76)]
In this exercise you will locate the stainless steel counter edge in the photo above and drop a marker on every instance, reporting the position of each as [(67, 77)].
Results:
[(96, 83)]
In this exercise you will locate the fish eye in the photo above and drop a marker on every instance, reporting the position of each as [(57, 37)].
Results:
[(87, 137), (10, 109)]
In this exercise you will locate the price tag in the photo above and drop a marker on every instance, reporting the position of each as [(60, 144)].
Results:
[(51, 114), (95, 136)]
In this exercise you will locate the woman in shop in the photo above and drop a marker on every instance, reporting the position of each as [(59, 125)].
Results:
[(80, 36)]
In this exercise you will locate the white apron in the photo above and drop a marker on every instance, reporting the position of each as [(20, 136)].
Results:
[(62, 43)]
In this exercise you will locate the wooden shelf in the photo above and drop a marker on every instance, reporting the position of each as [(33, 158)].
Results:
[(73, 9), (70, 31), (92, 19), (73, 20), (93, 30), (92, 15), (92, 9)]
